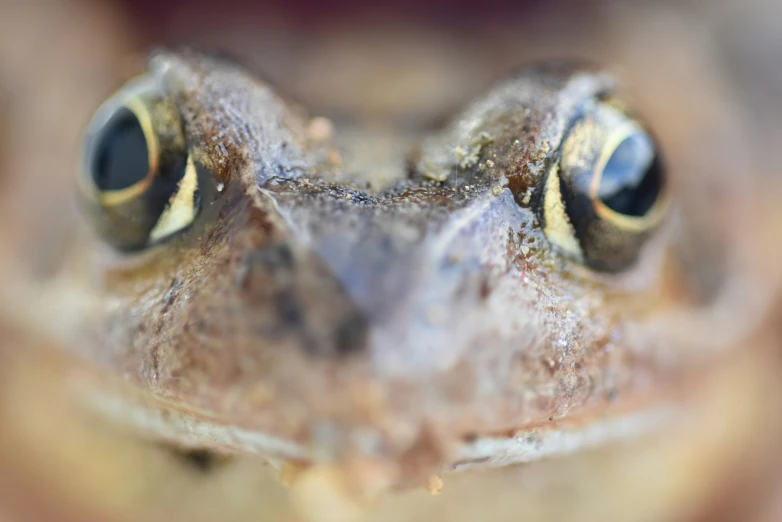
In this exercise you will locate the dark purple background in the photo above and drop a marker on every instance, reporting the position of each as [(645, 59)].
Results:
[(307, 14)]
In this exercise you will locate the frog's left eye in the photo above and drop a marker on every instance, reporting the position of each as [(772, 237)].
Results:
[(607, 193), (137, 176)]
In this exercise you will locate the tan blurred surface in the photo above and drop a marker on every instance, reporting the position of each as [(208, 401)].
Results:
[(717, 64)]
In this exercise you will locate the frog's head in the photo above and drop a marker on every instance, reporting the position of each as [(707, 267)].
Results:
[(505, 278)]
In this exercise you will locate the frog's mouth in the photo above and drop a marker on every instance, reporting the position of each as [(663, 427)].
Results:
[(528, 445), (188, 431)]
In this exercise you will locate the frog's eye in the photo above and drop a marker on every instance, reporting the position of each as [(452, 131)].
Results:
[(607, 193), (137, 176)]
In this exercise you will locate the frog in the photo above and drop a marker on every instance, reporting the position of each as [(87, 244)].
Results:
[(258, 290), (503, 288)]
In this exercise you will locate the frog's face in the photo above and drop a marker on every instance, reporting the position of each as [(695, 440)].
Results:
[(502, 280)]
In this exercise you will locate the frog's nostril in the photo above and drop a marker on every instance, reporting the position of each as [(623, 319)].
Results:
[(350, 334), (270, 261), (265, 278), (294, 297)]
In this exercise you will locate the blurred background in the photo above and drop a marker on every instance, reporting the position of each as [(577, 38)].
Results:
[(707, 73)]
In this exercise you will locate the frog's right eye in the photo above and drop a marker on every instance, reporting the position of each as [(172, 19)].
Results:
[(137, 177), (607, 194)]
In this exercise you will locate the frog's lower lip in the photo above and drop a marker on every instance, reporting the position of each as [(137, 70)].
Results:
[(537, 443), (524, 445), (151, 419)]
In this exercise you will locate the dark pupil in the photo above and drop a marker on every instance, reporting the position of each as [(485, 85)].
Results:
[(122, 158), (632, 178)]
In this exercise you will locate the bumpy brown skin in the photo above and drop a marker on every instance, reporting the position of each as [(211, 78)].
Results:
[(354, 315)]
